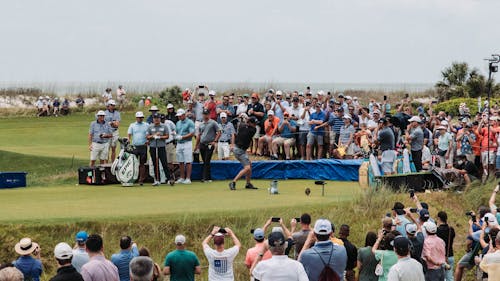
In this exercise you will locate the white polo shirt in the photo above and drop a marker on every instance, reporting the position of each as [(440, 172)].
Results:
[(280, 268)]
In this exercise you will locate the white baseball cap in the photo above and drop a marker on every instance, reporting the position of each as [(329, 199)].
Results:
[(321, 93), (415, 119), (180, 112), (223, 115), (323, 226), (211, 93), (430, 227), (270, 112), (279, 93), (346, 117), (170, 106), (139, 114), (348, 97), (180, 239), (491, 219), (154, 108), (101, 113), (111, 102), (63, 251)]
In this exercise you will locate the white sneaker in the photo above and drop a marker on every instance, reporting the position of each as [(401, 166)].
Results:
[(156, 183), (187, 181), (181, 180)]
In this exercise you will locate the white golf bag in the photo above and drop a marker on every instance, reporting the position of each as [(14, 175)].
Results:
[(163, 179), (126, 165)]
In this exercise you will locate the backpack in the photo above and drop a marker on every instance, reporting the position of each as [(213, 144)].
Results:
[(327, 274)]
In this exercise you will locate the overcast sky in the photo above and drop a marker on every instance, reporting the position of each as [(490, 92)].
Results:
[(369, 41)]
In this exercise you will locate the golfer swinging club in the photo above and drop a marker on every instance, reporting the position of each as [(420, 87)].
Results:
[(157, 134), (239, 146)]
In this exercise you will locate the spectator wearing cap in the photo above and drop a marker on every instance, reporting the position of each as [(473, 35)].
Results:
[(141, 269), (211, 105), (444, 143), (271, 126), (29, 261), (487, 129), (341, 100), (352, 252), (171, 114), (467, 169), (106, 96), (316, 132), (137, 133), (157, 134), (239, 145), (366, 262), (345, 145), (185, 129), (447, 234), (279, 267), (383, 249), (279, 105), (80, 255), (190, 114), (406, 269), (99, 136), (206, 141), (324, 252), (256, 109), (398, 212), (65, 271), (416, 237), (299, 237), (286, 129), (466, 138), (415, 138), (225, 107), (385, 139), (113, 118), (227, 132), (65, 107), (252, 253), (181, 264), (434, 253), (220, 260), (98, 268), (154, 109), (122, 259)]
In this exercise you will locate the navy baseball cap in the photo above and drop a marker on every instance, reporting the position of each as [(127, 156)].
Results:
[(276, 239)]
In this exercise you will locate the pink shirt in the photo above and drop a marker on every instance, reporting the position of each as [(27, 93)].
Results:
[(252, 254), (435, 248), (99, 269)]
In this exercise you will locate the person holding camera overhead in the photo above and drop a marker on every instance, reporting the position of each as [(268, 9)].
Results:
[(221, 260), (29, 261)]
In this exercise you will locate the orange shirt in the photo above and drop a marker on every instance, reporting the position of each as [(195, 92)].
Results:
[(492, 138), (252, 254), (271, 128)]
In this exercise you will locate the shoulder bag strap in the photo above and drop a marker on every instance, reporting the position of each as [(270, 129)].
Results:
[(449, 239)]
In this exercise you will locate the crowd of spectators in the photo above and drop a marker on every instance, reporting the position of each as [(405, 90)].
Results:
[(412, 244)]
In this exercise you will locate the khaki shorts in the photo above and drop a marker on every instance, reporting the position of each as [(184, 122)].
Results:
[(171, 153), (281, 141), (99, 151), (484, 157), (114, 139), (223, 150)]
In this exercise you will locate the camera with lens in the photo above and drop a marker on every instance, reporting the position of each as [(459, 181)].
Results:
[(471, 215)]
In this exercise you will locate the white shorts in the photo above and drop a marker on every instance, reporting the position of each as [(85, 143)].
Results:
[(484, 157), (114, 139), (99, 151), (223, 150), (184, 152)]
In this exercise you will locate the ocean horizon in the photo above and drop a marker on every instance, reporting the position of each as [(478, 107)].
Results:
[(72, 88)]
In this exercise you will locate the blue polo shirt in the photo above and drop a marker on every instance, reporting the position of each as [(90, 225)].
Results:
[(138, 132), (317, 116), (96, 129), (184, 127), (122, 260), (30, 267), (112, 116), (287, 130)]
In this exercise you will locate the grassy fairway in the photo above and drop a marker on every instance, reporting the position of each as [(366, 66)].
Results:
[(116, 202)]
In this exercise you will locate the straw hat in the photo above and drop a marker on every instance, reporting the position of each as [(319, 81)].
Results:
[(25, 246)]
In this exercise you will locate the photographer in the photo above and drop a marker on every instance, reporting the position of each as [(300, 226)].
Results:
[(220, 260), (29, 261)]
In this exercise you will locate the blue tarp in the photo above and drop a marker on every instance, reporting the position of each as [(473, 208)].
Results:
[(323, 169)]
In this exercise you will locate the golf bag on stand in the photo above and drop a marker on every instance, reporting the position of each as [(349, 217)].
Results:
[(126, 165)]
